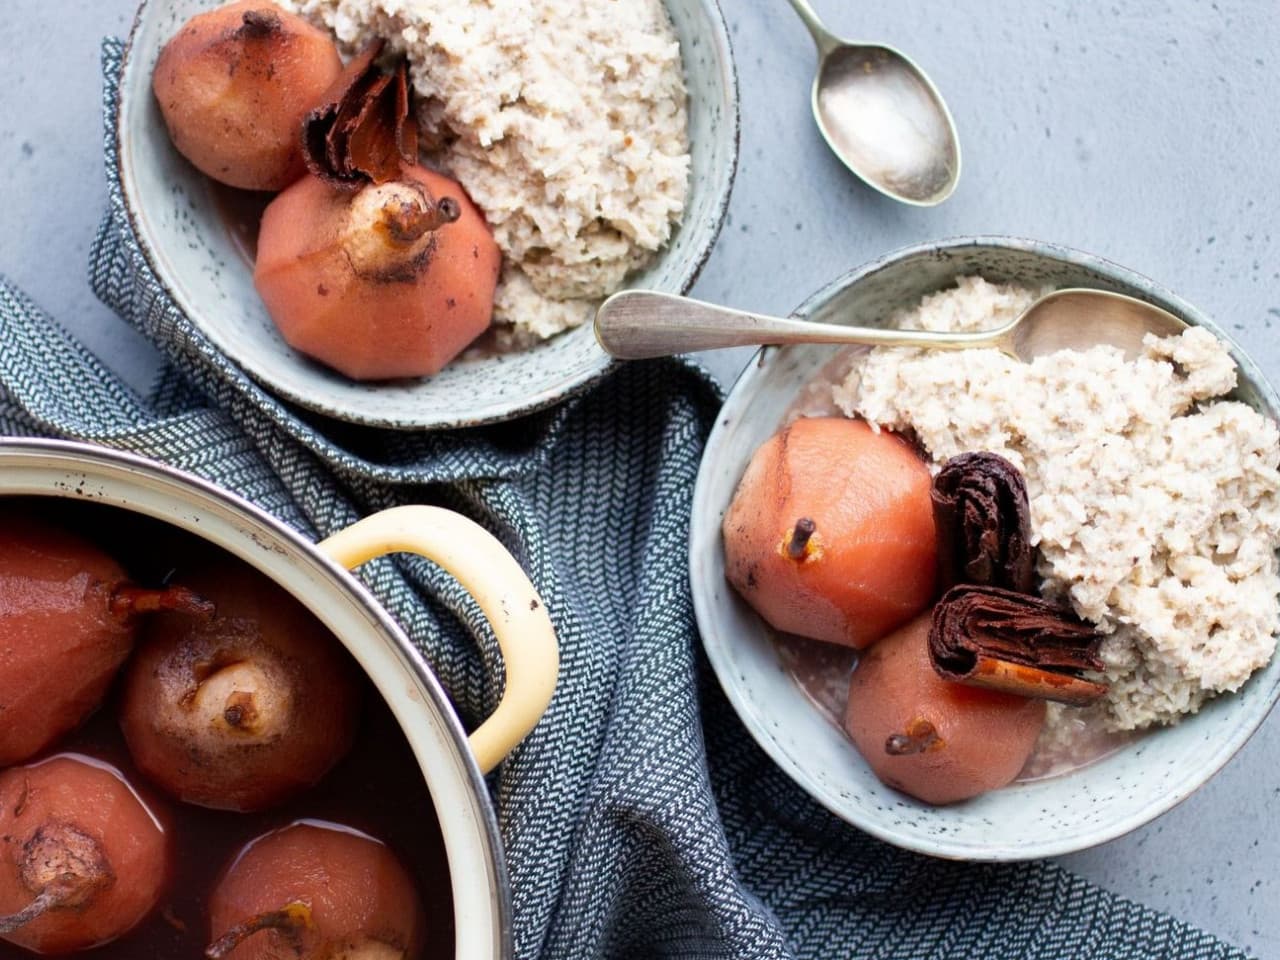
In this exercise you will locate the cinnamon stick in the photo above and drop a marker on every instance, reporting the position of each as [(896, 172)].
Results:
[(983, 521), (363, 131), (1001, 640)]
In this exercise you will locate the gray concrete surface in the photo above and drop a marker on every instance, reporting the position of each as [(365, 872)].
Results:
[(1145, 131)]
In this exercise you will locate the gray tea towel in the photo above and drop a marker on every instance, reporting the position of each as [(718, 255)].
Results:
[(639, 818)]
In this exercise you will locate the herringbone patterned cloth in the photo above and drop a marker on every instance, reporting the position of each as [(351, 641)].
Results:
[(639, 818)]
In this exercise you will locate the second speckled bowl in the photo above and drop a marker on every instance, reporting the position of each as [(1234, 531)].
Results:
[(193, 254), (1044, 818)]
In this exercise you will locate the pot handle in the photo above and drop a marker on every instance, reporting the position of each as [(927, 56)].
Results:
[(492, 576)]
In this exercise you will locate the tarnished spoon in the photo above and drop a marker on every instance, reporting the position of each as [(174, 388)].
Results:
[(883, 117), (636, 324)]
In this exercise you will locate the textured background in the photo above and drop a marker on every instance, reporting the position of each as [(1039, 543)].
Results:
[(1143, 131)]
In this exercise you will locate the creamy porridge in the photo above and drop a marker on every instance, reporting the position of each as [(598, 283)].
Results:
[(1155, 505)]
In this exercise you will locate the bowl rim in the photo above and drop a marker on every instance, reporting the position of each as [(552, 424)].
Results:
[(736, 405), (270, 534), (486, 411)]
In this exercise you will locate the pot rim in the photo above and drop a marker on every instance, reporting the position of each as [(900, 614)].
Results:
[(84, 460)]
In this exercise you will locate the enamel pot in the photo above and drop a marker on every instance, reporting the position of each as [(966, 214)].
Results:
[(318, 574)]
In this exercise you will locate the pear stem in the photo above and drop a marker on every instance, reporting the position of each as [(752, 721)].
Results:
[(799, 541), (258, 24), (50, 898), (920, 737), (64, 867), (406, 222), (290, 920)]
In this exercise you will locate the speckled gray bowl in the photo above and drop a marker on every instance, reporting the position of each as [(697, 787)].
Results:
[(1045, 818), (191, 252)]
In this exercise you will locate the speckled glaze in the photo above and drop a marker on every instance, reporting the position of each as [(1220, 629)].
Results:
[(191, 252), (1024, 821)]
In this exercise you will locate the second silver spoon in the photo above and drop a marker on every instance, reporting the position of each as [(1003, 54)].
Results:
[(637, 324), (883, 117)]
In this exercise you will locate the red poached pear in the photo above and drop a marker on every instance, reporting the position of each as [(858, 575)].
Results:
[(68, 619), (315, 891), (234, 86), (830, 533), (243, 711), (82, 859), (936, 740), (394, 280)]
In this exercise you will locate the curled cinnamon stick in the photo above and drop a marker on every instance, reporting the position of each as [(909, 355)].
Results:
[(1014, 643), (363, 130), (983, 520)]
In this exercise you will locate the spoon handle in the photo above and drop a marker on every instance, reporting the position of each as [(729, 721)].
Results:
[(824, 38), (639, 324)]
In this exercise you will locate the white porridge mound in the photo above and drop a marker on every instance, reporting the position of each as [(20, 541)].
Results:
[(566, 122), (1155, 506)]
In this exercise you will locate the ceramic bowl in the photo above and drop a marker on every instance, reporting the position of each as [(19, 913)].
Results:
[(1038, 819), (453, 763), (190, 249)]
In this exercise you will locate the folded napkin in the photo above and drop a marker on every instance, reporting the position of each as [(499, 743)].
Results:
[(639, 818)]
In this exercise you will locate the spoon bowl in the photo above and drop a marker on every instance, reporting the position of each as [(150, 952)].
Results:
[(880, 115), (1077, 319), (640, 324), (883, 117)]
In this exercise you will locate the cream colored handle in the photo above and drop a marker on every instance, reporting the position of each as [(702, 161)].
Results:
[(493, 577)]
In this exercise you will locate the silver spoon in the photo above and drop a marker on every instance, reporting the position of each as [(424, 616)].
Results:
[(636, 324), (883, 117)]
